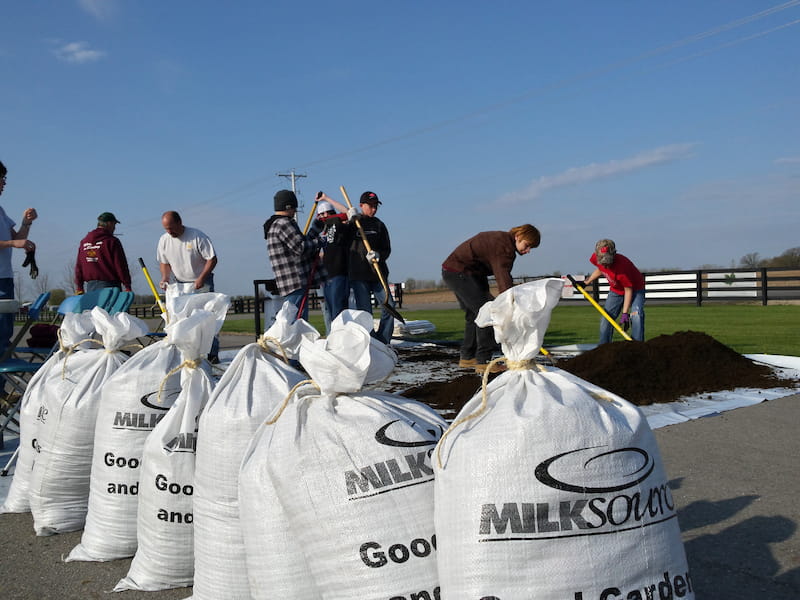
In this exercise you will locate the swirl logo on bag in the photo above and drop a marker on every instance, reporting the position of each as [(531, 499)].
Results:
[(396, 472), (600, 478), (144, 420)]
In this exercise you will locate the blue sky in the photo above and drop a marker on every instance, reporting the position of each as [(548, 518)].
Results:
[(671, 127)]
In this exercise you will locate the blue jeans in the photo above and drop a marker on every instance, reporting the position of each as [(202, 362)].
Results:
[(361, 291), (336, 292), (96, 284), (6, 319), (613, 306), (296, 298)]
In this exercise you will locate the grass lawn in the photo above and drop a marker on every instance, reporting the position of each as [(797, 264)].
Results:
[(748, 329)]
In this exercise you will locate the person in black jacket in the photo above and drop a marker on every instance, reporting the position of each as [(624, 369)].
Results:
[(337, 235), (363, 278)]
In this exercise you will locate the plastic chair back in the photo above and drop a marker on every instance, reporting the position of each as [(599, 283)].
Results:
[(122, 303)]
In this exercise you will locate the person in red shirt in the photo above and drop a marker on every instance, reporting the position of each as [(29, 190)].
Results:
[(101, 261), (626, 294), (466, 271)]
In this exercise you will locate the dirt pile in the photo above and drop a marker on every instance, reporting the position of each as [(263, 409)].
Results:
[(669, 366), (660, 370)]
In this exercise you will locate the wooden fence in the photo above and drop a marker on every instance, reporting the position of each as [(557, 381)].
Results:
[(702, 286)]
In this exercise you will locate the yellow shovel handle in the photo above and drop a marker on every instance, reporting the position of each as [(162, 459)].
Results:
[(153, 289), (602, 311)]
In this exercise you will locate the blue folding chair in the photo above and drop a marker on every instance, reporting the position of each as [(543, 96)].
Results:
[(122, 303), (16, 372)]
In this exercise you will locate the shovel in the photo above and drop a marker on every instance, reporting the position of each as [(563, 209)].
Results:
[(387, 307), (311, 214), (153, 289), (602, 311)]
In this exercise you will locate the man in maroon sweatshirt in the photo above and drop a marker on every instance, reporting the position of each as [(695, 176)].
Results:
[(101, 260)]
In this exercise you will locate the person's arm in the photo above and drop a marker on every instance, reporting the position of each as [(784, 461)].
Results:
[(209, 266), (341, 208), (166, 271), (19, 239), (627, 299), (595, 275), (121, 262)]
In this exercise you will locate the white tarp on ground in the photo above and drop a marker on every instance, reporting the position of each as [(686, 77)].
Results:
[(658, 415)]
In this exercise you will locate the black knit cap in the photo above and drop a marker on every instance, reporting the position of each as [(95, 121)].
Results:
[(285, 199)]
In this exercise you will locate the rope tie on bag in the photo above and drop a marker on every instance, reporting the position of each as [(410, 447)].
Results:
[(69, 350), (189, 364), (262, 343), (285, 402), (513, 365)]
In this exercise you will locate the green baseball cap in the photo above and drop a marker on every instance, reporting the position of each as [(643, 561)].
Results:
[(107, 217)]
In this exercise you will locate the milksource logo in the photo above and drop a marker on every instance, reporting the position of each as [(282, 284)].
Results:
[(602, 479), (396, 472)]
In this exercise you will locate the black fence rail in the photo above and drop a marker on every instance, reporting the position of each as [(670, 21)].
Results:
[(701, 286)]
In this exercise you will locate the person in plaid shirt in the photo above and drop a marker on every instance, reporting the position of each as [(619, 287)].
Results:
[(294, 257)]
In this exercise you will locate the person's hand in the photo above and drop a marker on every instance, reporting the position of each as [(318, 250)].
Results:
[(199, 283), (352, 213), (163, 284), (625, 321), (373, 256), (26, 245), (29, 216)]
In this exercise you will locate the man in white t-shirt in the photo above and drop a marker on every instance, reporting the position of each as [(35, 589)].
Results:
[(186, 255)]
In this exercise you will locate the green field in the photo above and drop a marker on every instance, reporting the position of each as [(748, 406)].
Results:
[(748, 329)]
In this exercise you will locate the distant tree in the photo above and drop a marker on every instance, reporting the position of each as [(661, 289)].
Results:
[(41, 284), (751, 260), (411, 284), (68, 278), (57, 297), (789, 258)]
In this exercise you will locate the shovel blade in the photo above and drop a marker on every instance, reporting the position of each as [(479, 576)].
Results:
[(393, 311)]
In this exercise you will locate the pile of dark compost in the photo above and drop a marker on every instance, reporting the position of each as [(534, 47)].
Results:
[(446, 397), (670, 366)]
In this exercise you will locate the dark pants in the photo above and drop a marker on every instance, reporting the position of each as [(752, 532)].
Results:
[(472, 292)]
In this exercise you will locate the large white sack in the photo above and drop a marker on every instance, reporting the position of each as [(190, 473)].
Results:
[(165, 523), (133, 401), (59, 488), (351, 473), (256, 381), (73, 330), (549, 486)]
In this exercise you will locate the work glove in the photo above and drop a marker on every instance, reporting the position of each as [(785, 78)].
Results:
[(373, 256), (352, 213), (30, 259), (625, 321)]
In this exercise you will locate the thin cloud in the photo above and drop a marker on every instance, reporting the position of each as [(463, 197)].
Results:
[(593, 171), (101, 10), (78, 53), (788, 160)]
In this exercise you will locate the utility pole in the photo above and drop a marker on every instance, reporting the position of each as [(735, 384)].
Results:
[(293, 176)]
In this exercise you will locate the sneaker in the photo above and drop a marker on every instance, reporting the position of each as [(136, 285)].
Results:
[(495, 368), (467, 363)]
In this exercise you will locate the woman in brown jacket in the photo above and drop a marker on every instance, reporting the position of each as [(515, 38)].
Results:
[(466, 271)]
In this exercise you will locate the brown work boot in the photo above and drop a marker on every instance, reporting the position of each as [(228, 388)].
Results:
[(467, 363), (495, 368)]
